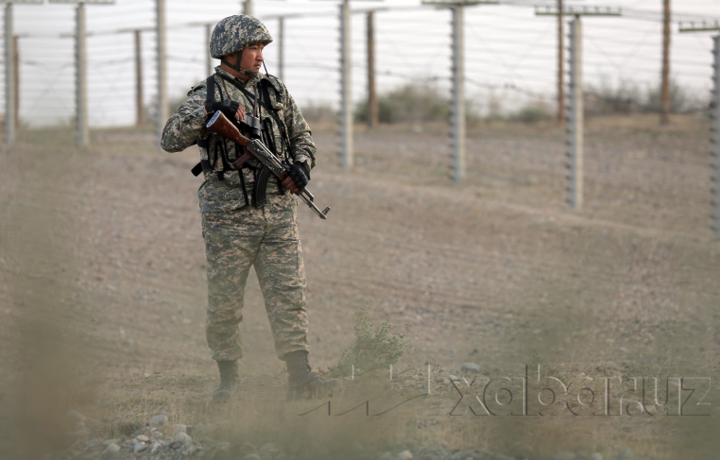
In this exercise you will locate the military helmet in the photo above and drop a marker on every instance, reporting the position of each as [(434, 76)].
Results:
[(235, 33)]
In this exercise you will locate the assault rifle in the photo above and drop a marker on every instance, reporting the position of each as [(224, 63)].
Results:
[(256, 149)]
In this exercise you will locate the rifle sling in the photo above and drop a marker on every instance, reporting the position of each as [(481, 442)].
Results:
[(203, 165)]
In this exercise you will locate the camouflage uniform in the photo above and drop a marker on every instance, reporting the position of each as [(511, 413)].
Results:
[(238, 235)]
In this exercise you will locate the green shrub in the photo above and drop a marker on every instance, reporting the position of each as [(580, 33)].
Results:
[(629, 97), (374, 348), (531, 114), (607, 98), (411, 103), (680, 99)]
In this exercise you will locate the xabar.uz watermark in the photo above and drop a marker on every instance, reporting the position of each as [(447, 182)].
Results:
[(535, 395), (582, 395)]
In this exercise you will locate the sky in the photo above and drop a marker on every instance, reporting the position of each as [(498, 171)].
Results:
[(511, 54)]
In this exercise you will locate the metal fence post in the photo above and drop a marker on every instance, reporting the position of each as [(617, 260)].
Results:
[(139, 107), (576, 118), (9, 77), (715, 137), (458, 96), (162, 107), (16, 78), (281, 48), (372, 102), (208, 57), (561, 64), (346, 121), (247, 7), (81, 108)]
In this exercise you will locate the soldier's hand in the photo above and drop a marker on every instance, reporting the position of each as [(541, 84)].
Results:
[(300, 174), (240, 114), (289, 184), (230, 109)]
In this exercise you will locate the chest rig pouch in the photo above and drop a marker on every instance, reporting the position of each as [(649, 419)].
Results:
[(252, 128)]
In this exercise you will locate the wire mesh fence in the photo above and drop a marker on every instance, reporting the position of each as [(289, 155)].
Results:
[(511, 57), (510, 54)]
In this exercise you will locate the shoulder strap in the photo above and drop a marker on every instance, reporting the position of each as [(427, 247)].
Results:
[(269, 82), (210, 93), (281, 124), (210, 86), (247, 93)]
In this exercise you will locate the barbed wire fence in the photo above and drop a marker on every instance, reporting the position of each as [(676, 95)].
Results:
[(411, 45), (714, 115)]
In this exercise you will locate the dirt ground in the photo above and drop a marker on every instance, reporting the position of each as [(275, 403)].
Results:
[(102, 277)]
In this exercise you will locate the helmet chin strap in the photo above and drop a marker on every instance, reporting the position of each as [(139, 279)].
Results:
[(236, 66)]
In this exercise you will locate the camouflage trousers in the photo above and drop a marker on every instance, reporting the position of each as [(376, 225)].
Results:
[(268, 239)]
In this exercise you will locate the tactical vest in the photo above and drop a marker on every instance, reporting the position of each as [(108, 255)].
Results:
[(262, 125)]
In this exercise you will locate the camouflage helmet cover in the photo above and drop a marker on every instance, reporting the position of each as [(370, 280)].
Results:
[(235, 33)]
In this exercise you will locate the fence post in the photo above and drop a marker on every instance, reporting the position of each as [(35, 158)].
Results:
[(247, 7), (16, 77), (208, 57), (346, 121), (458, 96), (139, 80), (372, 104), (162, 108), (665, 83), (576, 118), (81, 108), (281, 48), (561, 70), (9, 77), (715, 137)]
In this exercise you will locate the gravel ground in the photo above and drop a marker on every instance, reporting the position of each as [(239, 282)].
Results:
[(102, 268)]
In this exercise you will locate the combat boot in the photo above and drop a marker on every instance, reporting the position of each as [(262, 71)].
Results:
[(229, 381), (303, 384)]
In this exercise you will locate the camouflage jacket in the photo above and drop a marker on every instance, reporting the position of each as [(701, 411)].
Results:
[(187, 125)]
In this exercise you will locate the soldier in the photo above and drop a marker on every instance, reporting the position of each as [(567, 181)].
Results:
[(248, 218)]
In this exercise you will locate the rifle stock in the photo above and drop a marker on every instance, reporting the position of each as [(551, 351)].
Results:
[(221, 125)]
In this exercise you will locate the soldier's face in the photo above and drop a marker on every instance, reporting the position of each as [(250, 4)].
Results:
[(252, 58)]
